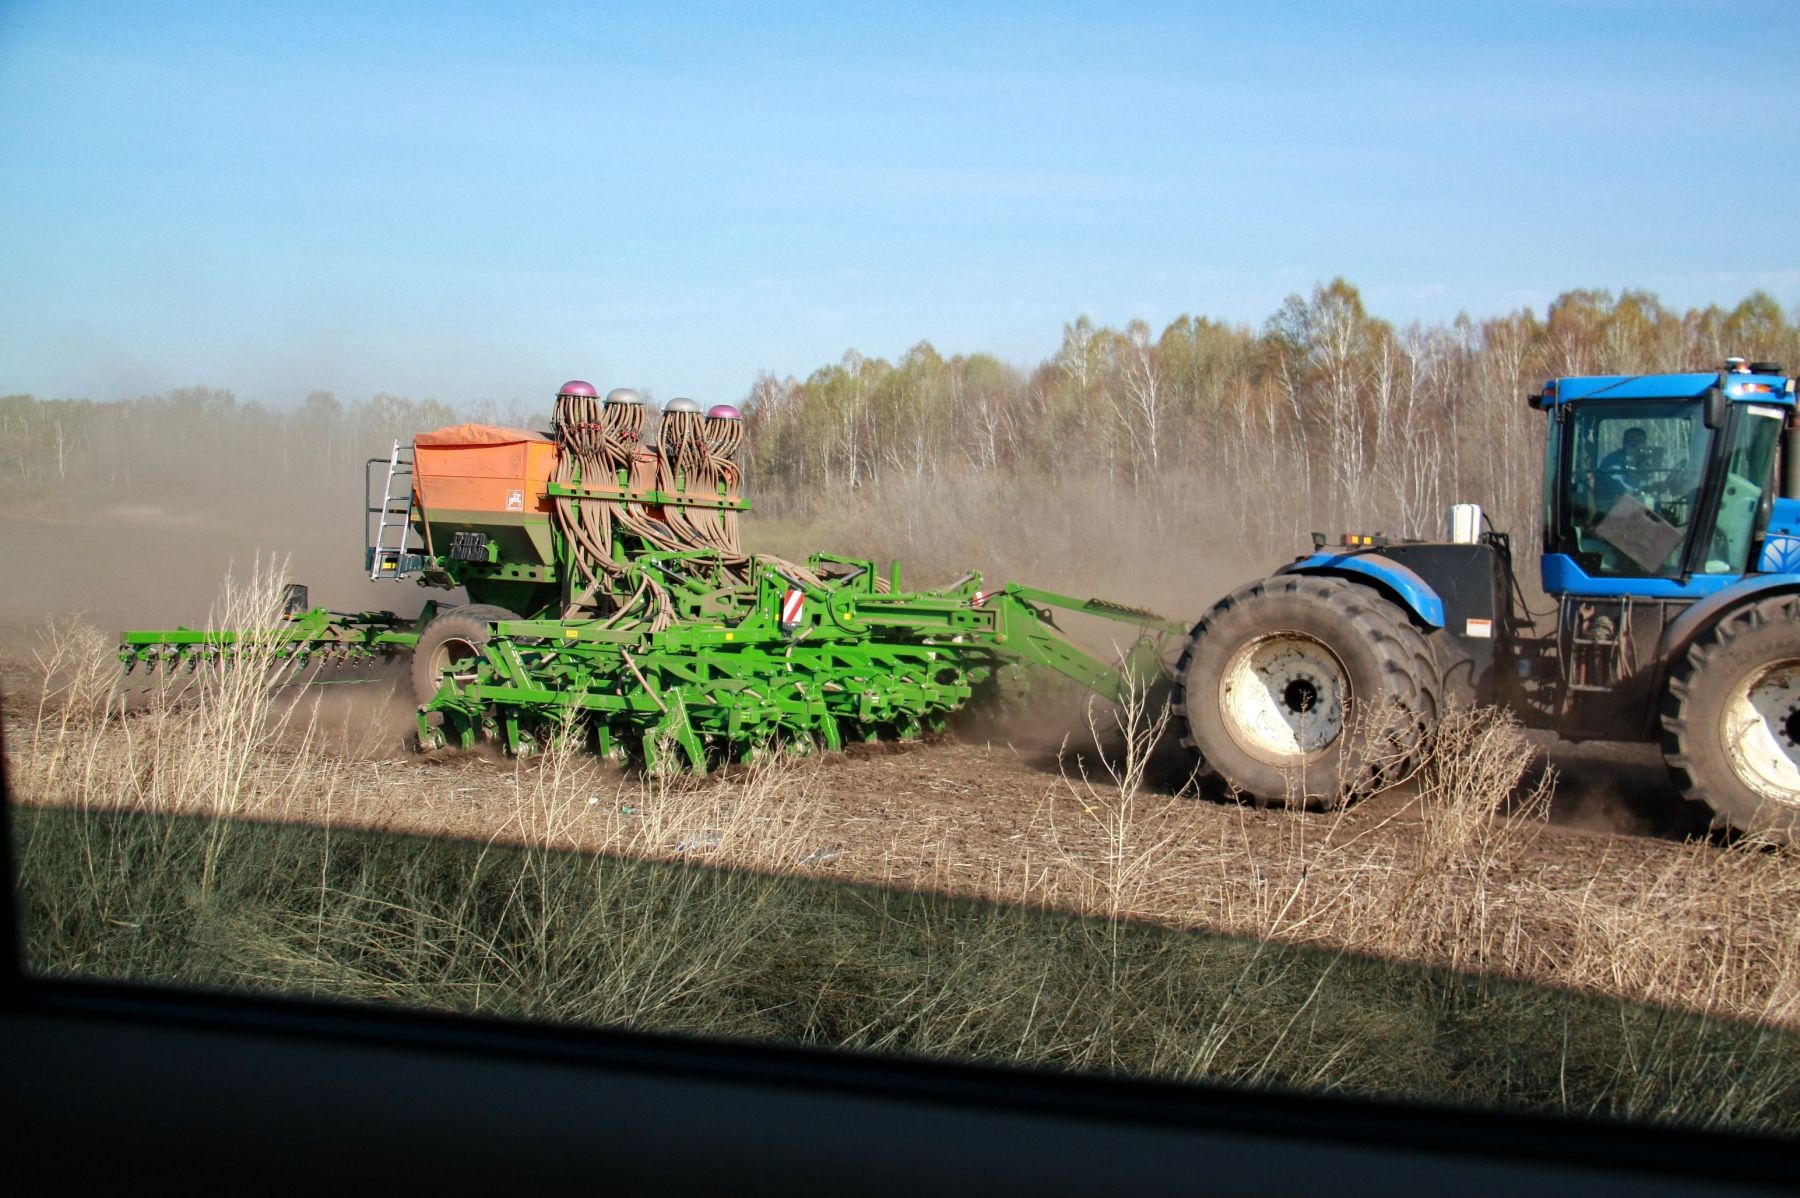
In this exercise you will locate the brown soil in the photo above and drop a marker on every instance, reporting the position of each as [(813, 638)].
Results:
[(968, 813)]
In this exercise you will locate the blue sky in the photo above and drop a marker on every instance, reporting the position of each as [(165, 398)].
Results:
[(472, 201)]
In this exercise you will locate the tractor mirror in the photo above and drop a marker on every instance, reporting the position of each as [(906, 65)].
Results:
[(1715, 407)]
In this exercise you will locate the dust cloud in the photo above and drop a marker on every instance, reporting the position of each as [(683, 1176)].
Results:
[(1615, 789), (146, 567), (156, 548), (1165, 548)]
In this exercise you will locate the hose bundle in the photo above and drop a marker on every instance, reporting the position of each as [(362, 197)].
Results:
[(695, 455), (598, 438)]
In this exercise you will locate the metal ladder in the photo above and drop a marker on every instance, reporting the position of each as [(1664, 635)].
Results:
[(385, 560)]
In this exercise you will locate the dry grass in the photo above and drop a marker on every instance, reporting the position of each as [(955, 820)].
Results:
[(1460, 870), (206, 837)]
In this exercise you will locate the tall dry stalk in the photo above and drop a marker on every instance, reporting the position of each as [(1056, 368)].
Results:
[(1111, 803), (1437, 900), (76, 674), (218, 739)]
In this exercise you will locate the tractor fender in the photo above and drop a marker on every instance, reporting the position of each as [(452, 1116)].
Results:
[(1397, 582), (1682, 630)]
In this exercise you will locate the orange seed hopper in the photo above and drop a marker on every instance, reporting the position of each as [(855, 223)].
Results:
[(480, 478)]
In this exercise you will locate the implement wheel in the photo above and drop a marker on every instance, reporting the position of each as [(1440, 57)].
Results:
[(1306, 691), (457, 635), (1731, 719)]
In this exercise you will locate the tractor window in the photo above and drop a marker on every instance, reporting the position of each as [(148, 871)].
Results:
[(1633, 474), (1755, 433)]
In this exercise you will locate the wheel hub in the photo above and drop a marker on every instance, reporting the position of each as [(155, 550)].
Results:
[(1283, 697), (1300, 695), (452, 653), (1762, 732)]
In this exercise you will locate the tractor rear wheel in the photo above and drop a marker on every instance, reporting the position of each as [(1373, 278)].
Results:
[(454, 636), (1731, 719), (1306, 690)]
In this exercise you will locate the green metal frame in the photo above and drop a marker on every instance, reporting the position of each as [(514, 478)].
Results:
[(861, 664)]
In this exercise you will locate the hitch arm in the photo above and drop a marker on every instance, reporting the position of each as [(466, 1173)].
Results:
[(1029, 630)]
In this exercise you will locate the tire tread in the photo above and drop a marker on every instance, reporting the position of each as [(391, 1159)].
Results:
[(1407, 664)]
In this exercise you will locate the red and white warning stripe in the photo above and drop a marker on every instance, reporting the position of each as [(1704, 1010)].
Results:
[(791, 604)]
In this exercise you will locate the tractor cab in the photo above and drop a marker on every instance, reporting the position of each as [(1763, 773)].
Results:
[(1666, 486), (1669, 499)]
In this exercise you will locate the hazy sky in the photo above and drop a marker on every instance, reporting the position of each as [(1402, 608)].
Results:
[(467, 201)]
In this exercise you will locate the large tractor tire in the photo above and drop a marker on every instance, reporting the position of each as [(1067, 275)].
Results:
[(1306, 691), (1731, 719), (456, 635)]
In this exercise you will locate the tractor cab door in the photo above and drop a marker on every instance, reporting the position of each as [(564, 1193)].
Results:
[(1630, 481), (1745, 489)]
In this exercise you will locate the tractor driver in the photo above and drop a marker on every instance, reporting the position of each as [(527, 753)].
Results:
[(1621, 471)]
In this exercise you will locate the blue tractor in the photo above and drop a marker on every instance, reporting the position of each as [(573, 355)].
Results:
[(1671, 550)]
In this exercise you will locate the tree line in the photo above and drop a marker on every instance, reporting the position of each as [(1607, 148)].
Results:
[(1326, 416)]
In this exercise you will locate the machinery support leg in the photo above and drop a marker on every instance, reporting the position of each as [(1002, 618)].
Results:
[(605, 743), (828, 729), (675, 726)]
